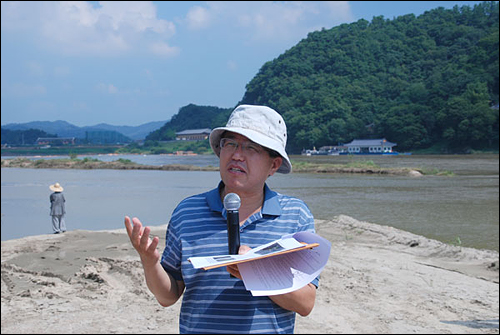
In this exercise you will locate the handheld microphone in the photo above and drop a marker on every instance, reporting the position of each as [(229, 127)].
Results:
[(232, 203)]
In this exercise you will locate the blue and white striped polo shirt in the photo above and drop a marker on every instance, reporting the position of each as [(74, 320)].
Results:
[(215, 302)]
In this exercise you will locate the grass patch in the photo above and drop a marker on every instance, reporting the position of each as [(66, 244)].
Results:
[(363, 165)]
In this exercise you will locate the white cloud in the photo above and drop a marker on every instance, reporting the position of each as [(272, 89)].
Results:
[(340, 10), (112, 89), (13, 16), (78, 28), (198, 18), (163, 49), (270, 20), (139, 15), (273, 20)]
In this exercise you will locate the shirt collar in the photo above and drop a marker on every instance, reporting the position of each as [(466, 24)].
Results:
[(213, 199), (271, 203)]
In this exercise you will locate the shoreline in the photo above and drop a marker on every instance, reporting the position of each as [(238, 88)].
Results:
[(89, 164), (378, 279)]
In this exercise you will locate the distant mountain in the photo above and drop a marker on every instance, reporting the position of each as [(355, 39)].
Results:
[(60, 128), (134, 132), (66, 129)]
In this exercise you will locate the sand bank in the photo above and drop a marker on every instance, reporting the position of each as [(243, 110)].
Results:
[(89, 164), (378, 280)]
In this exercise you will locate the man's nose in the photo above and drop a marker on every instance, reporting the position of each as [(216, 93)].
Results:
[(239, 152)]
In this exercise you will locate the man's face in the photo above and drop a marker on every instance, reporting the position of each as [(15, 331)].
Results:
[(245, 165)]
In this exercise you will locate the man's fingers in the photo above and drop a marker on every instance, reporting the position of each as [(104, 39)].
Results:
[(128, 226), (139, 237), (145, 238), (154, 244), (233, 270), (136, 232), (244, 249)]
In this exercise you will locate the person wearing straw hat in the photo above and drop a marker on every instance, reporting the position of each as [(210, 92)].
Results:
[(251, 148), (57, 208)]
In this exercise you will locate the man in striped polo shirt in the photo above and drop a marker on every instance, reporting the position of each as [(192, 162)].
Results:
[(251, 148)]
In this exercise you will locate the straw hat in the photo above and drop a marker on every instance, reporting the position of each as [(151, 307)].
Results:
[(260, 124), (56, 187)]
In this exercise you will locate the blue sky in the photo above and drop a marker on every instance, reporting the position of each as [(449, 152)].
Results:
[(129, 63)]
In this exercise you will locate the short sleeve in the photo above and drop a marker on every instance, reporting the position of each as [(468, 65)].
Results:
[(172, 256)]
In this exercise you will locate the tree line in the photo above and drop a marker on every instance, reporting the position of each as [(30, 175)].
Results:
[(191, 117), (23, 137)]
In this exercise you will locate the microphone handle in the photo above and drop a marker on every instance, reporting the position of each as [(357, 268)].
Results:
[(233, 231)]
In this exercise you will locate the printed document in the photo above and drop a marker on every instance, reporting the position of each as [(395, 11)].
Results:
[(279, 267)]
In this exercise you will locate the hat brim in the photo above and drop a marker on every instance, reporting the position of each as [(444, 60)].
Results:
[(56, 189), (254, 136)]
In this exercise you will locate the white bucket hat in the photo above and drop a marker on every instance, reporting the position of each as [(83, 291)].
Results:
[(56, 187), (260, 124)]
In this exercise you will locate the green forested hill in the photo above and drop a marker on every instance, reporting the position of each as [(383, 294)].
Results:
[(419, 81), (426, 81), (191, 117)]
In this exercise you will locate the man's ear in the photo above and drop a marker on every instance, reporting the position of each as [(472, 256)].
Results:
[(277, 161)]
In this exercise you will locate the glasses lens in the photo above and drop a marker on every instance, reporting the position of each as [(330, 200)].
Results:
[(229, 144)]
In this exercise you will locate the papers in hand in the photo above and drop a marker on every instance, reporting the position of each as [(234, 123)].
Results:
[(278, 267)]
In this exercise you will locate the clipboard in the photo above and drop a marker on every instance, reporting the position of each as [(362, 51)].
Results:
[(226, 260)]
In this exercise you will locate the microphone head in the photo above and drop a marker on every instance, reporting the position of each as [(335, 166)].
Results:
[(232, 202)]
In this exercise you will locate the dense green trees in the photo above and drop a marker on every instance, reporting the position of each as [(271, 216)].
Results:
[(426, 81), (418, 81), (23, 137), (191, 117)]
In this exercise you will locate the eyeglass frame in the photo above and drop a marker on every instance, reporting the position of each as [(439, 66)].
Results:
[(245, 147)]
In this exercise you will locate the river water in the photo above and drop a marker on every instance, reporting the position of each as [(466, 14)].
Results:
[(462, 209)]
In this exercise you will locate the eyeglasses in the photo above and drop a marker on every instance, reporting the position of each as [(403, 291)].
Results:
[(229, 145)]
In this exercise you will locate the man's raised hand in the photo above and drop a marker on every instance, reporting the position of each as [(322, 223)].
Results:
[(139, 237)]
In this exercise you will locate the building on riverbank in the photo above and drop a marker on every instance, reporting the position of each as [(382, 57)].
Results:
[(44, 141), (193, 134), (375, 146)]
